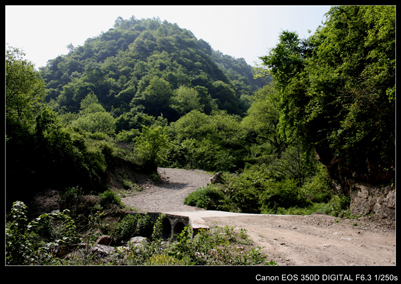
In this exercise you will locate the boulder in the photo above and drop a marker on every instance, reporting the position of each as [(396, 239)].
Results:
[(138, 240), (217, 178), (62, 251), (105, 240), (103, 249)]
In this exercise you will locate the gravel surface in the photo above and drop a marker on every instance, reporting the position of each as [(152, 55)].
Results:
[(316, 239), (169, 194)]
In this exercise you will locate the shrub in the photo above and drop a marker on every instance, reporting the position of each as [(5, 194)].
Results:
[(337, 206), (126, 227), (244, 190), (56, 227), (108, 197), (216, 246), (127, 184), (284, 194), (69, 199), (38, 241), (133, 225), (165, 259), (19, 249), (210, 198), (319, 188), (144, 226)]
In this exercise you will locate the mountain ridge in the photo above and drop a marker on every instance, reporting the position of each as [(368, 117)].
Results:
[(118, 66)]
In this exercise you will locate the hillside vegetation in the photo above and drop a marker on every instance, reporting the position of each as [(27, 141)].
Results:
[(148, 67), (319, 117)]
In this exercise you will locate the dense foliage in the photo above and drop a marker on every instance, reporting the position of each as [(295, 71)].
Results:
[(41, 152), (332, 94), (253, 191), (44, 240), (337, 91), (151, 67), (151, 94)]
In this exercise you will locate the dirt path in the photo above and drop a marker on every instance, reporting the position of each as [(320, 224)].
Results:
[(315, 239), (170, 193)]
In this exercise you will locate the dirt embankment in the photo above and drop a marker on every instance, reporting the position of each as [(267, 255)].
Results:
[(315, 239)]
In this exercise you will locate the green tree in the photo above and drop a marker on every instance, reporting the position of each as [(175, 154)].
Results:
[(337, 91), (210, 142), (119, 65), (156, 97), (151, 146), (96, 122), (186, 99), (93, 117), (262, 123), (91, 104), (24, 102), (226, 97), (25, 91)]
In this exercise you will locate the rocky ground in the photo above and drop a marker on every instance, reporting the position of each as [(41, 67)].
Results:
[(315, 239), (318, 239)]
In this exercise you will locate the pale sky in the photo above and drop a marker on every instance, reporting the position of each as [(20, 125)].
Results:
[(43, 32)]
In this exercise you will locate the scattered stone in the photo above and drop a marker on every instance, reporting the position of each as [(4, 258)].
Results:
[(347, 239), (282, 244), (64, 251), (326, 245)]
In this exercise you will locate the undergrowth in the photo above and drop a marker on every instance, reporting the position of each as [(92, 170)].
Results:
[(255, 191), (42, 241)]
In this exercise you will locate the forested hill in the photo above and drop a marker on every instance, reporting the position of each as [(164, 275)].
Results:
[(152, 67), (151, 94)]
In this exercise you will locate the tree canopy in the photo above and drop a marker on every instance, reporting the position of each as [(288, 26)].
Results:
[(337, 90), (25, 91), (151, 94), (145, 64)]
